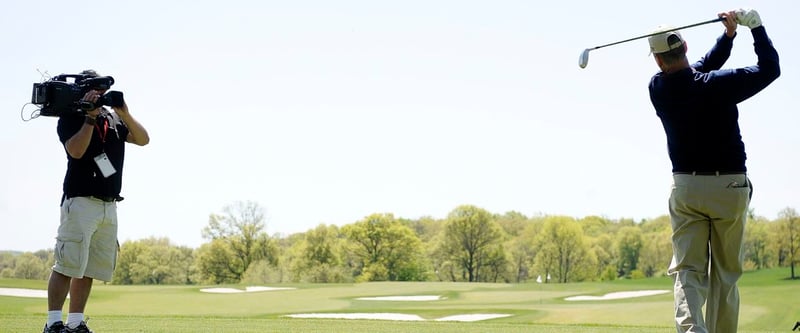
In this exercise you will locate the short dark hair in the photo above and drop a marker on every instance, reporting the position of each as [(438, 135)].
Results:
[(90, 72), (675, 55)]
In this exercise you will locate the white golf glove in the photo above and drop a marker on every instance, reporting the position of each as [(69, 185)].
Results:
[(748, 18)]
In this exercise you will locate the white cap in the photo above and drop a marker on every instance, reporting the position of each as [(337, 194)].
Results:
[(665, 41)]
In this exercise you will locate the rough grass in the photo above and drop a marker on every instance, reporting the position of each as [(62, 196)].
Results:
[(769, 304)]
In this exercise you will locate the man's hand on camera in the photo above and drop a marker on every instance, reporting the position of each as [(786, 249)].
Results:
[(92, 96), (121, 110)]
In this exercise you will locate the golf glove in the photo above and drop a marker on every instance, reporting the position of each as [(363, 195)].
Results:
[(748, 18)]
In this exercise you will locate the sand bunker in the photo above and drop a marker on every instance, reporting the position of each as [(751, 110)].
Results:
[(246, 290), (421, 298), (618, 295), (396, 316), (19, 292)]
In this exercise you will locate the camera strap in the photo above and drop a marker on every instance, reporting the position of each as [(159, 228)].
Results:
[(105, 129)]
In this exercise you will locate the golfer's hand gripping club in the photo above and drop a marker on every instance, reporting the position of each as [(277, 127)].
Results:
[(748, 18)]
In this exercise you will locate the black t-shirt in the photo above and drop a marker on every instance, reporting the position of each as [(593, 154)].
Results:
[(83, 176)]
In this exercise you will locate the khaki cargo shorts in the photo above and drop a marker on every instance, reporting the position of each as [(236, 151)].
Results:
[(86, 245)]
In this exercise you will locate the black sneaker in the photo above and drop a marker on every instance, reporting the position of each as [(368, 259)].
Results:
[(82, 328), (57, 327)]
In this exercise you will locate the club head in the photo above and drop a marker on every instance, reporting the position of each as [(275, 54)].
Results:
[(584, 58)]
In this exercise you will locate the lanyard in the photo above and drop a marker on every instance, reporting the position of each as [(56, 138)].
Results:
[(105, 129)]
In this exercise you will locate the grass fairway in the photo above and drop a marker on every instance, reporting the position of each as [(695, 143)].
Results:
[(770, 303)]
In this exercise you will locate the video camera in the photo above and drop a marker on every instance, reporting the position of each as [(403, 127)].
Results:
[(58, 95)]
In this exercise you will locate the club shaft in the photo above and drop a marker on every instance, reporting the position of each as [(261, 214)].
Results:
[(660, 32)]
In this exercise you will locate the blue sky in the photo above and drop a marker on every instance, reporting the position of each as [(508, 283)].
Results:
[(328, 111)]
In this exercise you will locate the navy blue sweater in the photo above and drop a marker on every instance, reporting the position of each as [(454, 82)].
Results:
[(697, 106)]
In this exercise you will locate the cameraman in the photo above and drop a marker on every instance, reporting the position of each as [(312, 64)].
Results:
[(86, 245)]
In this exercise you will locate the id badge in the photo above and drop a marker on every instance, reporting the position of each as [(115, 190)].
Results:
[(105, 165)]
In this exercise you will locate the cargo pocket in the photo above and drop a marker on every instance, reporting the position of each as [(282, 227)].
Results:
[(69, 252)]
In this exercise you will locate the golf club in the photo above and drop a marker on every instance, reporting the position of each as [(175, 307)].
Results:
[(584, 58)]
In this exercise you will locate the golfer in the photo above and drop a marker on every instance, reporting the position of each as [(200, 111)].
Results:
[(711, 191)]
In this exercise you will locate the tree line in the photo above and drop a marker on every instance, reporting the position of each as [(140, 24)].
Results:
[(470, 244)]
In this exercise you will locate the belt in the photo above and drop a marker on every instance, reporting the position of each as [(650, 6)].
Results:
[(108, 199), (708, 173)]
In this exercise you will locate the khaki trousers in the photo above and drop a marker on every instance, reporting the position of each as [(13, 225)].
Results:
[(708, 215)]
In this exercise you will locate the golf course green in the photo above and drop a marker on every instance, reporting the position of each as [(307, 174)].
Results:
[(770, 303)]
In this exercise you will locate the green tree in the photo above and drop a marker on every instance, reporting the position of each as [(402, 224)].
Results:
[(216, 263), (659, 224), (321, 256), (154, 261), (471, 236), (521, 254), (606, 254), (522, 251), (126, 271), (429, 231), (28, 266), (322, 246), (495, 265), (513, 223), (757, 243), (656, 252), (290, 258), (385, 249), (444, 267), (237, 237), (262, 271), (426, 228), (789, 241), (7, 264), (594, 226), (629, 245), (563, 251)]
